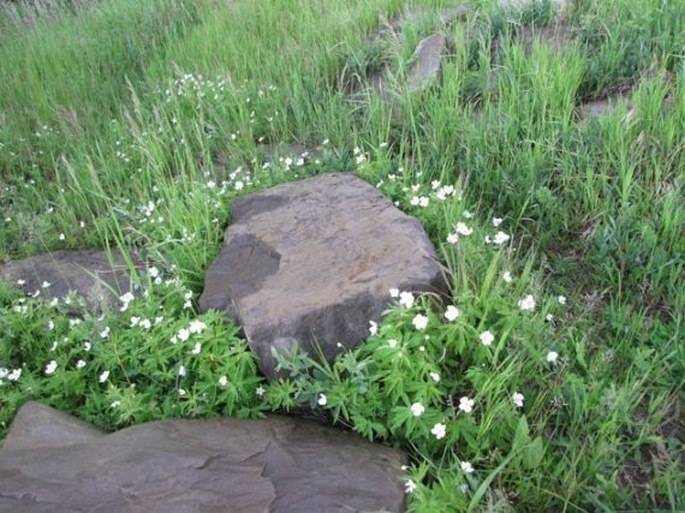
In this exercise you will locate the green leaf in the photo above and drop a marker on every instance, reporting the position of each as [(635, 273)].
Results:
[(521, 437), (533, 453)]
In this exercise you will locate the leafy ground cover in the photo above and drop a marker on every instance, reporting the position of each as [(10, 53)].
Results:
[(553, 378)]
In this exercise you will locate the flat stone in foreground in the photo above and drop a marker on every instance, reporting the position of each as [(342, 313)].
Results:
[(311, 263), (98, 277), (54, 463)]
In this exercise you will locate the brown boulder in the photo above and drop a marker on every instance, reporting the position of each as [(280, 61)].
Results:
[(276, 465), (310, 263)]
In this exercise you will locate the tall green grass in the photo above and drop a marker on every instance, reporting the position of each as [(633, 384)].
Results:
[(108, 106)]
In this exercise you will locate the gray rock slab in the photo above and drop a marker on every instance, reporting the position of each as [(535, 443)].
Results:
[(427, 65), (596, 108), (98, 277), (276, 465), (310, 263)]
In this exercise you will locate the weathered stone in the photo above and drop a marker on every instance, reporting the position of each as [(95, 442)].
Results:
[(380, 80), (279, 465), (98, 277), (557, 37), (310, 263), (595, 108), (427, 65)]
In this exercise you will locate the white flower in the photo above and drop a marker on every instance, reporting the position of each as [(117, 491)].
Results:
[(561, 300), (183, 334), (452, 238), (373, 327), (420, 322), (392, 343), (462, 229), (62, 236), (239, 185), (500, 238), (417, 409), (518, 398), (80, 364), (87, 346), (423, 201), (552, 357), (21, 282), (527, 303), (197, 326), (487, 338), (153, 272), (451, 313), (414, 202), (406, 299), (14, 375), (466, 467), (125, 300), (435, 377), (409, 486), (181, 371), (496, 221), (507, 276), (549, 317), (197, 348), (439, 430), (466, 404), (51, 367), (46, 284), (134, 321), (182, 392), (103, 377), (51, 325), (54, 346), (223, 381), (322, 400), (260, 391), (145, 324), (104, 333), (394, 292), (115, 404)]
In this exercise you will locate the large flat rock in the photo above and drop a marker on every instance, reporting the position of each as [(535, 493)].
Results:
[(98, 276), (310, 263), (53, 463)]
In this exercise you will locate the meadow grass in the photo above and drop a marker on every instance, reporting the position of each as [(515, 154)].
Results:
[(135, 123)]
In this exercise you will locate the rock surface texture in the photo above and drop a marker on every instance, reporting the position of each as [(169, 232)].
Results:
[(94, 275), (311, 262), (427, 65), (54, 463)]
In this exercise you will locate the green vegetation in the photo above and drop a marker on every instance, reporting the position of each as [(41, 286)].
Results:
[(135, 123)]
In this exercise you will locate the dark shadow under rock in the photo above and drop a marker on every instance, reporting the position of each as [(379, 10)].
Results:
[(95, 275), (51, 462)]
